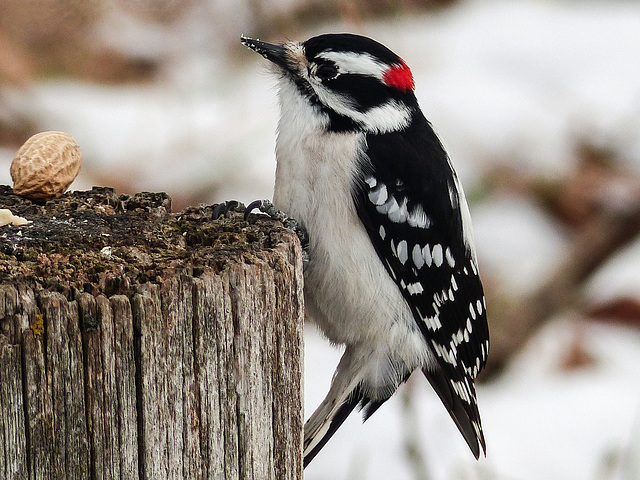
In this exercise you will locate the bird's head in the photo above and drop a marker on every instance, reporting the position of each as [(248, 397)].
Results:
[(358, 83)]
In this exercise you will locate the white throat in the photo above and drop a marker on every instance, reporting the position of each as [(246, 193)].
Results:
[(309, 157)]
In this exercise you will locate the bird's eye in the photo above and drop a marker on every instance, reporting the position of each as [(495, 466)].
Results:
[(327, 71)]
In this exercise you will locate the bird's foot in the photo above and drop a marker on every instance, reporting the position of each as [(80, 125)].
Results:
[(265, 206), (222, 209)]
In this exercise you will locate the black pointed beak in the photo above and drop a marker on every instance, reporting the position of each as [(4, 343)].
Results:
[(275, 53)]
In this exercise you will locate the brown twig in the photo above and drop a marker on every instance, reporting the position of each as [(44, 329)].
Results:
[(611, 227)]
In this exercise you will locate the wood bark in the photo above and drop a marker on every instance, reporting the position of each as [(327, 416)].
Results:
[(137, 344)]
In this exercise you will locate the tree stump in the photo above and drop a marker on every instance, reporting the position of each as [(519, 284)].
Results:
[(140, 344)]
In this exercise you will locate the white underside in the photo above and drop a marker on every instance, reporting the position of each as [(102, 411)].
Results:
[(348, 292)]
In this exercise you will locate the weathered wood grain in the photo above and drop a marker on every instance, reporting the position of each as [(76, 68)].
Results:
[(12, 427), (179, 365)]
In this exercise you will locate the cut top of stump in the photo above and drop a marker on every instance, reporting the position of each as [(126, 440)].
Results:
[(100, 242)]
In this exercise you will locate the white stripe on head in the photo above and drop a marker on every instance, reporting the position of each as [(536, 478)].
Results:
[(388, 117), (359, 63)]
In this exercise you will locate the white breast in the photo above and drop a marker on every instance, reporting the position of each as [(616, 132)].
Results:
[(348, 292)]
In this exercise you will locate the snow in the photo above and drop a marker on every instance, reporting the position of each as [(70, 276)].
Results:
[(543, 422), (504, 83), (163, 138), (517, 243), (540, 421), (619, 277)]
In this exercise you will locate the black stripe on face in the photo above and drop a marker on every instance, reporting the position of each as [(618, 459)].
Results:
[(337, 122), (365, 92)]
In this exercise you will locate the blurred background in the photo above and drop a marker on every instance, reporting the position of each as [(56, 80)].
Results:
[(538, 104)]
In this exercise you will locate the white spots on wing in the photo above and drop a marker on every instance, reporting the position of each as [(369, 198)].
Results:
[(462, 335), (436, 308), (415, 288), (389, 200), (473, 373), (452, 349), (476, 425), (462, 390), (433, 323), (416, 256), (449, 353), (371, 181), (449, 256), (398, 212), (378, 194), (421, 256), (436, 253), (433, 256), (418, 218), (439, 298), (396, 209), (484, 349), (444, 353), (475, 310), (387, 205), (426, 253), (474, 268), (403, 252)]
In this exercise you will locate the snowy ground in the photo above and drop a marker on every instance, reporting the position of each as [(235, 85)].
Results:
[(503, 82), (540, 422)]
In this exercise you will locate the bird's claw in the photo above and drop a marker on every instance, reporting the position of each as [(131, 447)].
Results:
[(257, 204), (265, 206), (221, 209)]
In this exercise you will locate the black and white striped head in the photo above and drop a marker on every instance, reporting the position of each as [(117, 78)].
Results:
[(354, 81)]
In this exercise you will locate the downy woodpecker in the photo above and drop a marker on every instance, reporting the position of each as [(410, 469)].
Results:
[(392, 271)]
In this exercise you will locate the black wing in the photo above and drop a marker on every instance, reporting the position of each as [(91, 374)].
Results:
[(413, 209)]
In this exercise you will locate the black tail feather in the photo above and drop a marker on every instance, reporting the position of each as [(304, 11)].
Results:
[(369, 408), (341, 415), (356, 399), (463, 415)]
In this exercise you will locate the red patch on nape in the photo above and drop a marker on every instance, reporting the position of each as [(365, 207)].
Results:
[(399, 76)]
